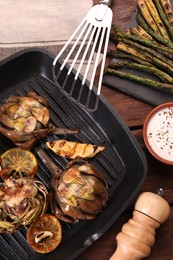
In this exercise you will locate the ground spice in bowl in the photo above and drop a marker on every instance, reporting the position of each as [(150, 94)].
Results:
[(158, 132)]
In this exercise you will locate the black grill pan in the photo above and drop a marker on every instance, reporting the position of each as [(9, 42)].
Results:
[(122, 162)]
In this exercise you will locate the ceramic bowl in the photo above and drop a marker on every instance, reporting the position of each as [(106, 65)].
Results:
[(158, 132)]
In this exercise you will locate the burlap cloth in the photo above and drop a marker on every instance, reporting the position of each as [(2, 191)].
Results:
[(38, 23)]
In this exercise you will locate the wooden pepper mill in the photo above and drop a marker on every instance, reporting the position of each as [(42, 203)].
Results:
[(138, 234)]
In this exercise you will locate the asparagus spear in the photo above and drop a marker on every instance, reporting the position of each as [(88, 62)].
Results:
[(121, 55), (128, 49), (152, 56), (166, 54), (143, 24), (139, 31), (164, 18), (154, 13), (142, 41), (144, 81), (148, 52), (147, 16), (164, 77), (167, 8)]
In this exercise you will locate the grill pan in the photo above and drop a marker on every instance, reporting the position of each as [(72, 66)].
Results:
[(122, 162)]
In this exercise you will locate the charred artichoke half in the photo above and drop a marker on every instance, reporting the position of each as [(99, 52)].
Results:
[(80, 192), (25, 119), (22, 201)]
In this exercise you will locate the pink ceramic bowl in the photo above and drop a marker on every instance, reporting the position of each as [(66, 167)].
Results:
[(158, 132)]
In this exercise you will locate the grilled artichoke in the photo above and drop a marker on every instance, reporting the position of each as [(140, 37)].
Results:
[(21, 202), (80, 192), (24, 120)]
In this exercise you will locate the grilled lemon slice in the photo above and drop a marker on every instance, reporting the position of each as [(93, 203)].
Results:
[(45, 234), (18, 163), (74, 150)]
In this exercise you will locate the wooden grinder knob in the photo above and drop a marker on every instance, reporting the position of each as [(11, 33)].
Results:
[(138, 234)]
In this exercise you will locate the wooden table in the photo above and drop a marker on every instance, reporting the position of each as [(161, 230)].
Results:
[(159, 175)]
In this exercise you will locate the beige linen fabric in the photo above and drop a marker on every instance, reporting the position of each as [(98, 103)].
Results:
[(38, 23)]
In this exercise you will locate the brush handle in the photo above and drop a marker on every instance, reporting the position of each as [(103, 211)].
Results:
[(138, 234)]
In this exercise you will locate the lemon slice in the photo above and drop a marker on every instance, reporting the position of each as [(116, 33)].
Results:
[(18, 163), (45, 234)]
